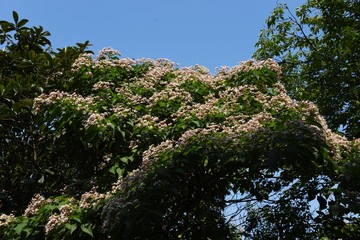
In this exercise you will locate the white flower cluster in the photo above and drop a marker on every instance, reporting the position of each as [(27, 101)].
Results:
[(187, 135), (96, 119), (153, 151), (56, 219), (155, 74), (109, 57), (151, 122), (84, 60), (200, 69), (102, 85), (252, 65), (35, 204), (126, 63), (6, 219), (130, 96), (47, 99), (199, 110), (197, 73), (92, 198), (81, 103), (121, 111), (106, 159), (169, 94), (107, 53), (103, 60)]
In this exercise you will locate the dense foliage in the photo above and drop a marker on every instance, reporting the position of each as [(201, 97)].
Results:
[(119, 148), (28, 67), (318, 49)]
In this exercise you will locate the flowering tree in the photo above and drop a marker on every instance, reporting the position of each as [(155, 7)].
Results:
[(141, 149)]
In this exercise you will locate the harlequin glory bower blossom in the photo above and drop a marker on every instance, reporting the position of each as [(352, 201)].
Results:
[(36, 202), (164, 146)]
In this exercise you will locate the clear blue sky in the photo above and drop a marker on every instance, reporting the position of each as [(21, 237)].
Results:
[(206, 32)]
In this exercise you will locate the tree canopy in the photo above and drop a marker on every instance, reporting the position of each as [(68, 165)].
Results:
[(28, 67), (318, 49), (120, 148)]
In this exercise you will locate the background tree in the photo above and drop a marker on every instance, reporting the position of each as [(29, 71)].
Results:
[(28, 67), (318, 49)]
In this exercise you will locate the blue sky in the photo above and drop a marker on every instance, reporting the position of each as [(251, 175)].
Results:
[(212, 33)]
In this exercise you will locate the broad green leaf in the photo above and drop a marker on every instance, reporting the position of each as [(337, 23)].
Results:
[(114, 168), (19, 228), (71, 227), (77, 219), (120, 172), (86, 228), (22, 22), (15, 16)]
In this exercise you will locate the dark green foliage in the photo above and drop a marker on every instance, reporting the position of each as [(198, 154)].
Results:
[(28, 67), (185, 194)]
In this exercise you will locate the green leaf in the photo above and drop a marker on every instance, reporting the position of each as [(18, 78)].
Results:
[(322, 202), (91, 134), (7, 27), (28, 231), (42, 179), (127, 159), (77, 219), (122, 132), (16, 17), (71, 227), (22, 23), (19, 228), (2, 90), (113, 168), (120, 172), (86, 228)]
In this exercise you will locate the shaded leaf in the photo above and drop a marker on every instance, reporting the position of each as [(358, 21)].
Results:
[(86, 228)]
